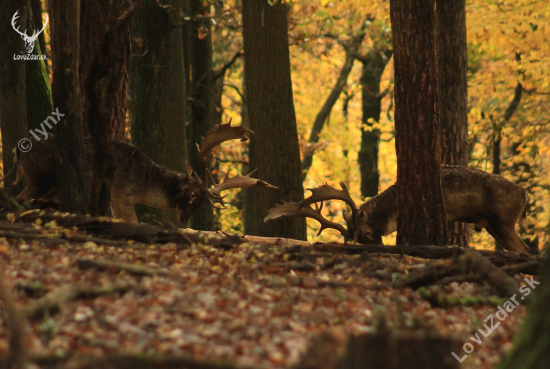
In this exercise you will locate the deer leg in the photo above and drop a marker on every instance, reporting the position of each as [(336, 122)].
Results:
[(125, 210), (507, 237)]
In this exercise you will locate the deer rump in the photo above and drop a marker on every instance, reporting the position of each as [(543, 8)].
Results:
[(137, 178), (469, 195)]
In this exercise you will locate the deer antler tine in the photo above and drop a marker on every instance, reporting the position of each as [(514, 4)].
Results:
[(212, 178), (239, 181), (294, 209), (214, 205)]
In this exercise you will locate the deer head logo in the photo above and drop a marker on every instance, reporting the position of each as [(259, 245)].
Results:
[(29, 40)]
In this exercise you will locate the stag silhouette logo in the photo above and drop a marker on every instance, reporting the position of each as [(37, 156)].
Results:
[(29, 40)]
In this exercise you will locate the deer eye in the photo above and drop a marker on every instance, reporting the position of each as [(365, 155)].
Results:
[(192, 197)]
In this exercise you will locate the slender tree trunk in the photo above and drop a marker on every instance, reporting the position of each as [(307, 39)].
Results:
[(202, 86), (105, 46), (374, 64), (274, 148), (72, 176), (158, 91), (497, 133), (420, 217), (13, 100), (453, 94), (333, 96)]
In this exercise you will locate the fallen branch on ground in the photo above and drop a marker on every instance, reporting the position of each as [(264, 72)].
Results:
[(118, 267), (53, 301)]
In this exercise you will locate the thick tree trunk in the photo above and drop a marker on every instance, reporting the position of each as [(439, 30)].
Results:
[(453, 94), (373, 66), (13, 99), (73, 188), (104, 40), (39, 93), (274, 148), (421, 217), (202, 105), (157, 82)]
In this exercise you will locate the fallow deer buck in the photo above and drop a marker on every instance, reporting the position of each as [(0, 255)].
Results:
[(138, 179), (469, 195)]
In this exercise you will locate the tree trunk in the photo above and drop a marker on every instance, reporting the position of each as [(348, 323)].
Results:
[(453, 94), (202, 85), (39, 93), (36, 6), (274, 148), (325, 110), (532, 342), (373, 66), (158, 91), (72, 176), (104, 40), (13, 100), (421, 216)]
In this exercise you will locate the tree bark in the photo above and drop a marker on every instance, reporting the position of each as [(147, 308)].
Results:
[(13, 100), (202, 105), (274, 148), (373, 66), (421, 216), (39, 93), (157, 81), (73, 188), (453, 95), (104, 40)]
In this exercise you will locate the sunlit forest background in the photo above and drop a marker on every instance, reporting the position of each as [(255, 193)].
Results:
[(508, 43), (497, 31)]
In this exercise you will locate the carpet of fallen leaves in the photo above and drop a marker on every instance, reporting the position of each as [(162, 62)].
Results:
[(251, 307)]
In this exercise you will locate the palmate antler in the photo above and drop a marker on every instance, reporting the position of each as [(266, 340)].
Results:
[(295, 209), (221, 133), (319, 195)]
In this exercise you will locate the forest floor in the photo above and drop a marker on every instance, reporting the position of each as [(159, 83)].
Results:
[(245, 304)]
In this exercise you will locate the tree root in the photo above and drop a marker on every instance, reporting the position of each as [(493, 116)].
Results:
[(444, 300)]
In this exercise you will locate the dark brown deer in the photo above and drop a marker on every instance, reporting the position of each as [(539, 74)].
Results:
[(469, 195), (137, 178)]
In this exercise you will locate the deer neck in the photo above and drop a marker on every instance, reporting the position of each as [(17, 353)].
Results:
[(140, 180), (383, 211)]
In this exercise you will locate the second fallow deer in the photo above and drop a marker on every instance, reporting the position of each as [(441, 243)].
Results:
[(138, 179), (469, 195)]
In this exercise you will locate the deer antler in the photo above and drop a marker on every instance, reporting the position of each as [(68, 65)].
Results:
[(326, 192), (220, 133), (294, 209), (239, 181)]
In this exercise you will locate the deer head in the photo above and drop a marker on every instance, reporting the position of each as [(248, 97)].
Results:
[(190, 197), (29, 40)]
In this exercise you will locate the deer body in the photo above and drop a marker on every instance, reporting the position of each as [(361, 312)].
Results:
[(137, 178), (469, 195)]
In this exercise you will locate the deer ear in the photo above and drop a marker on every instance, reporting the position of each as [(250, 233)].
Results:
[(346, 216), (188, 170)]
